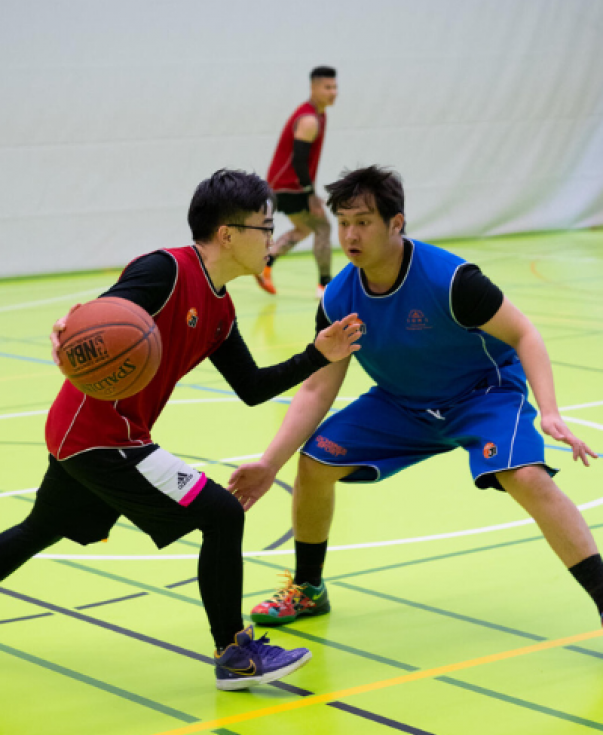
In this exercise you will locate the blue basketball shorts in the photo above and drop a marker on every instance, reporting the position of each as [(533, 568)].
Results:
[(380, 437)]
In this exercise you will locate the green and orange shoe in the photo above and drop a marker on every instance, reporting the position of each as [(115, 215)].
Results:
[(290, 602)]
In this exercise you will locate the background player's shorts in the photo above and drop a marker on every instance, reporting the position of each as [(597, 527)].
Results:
[(292, 203), (381, 437), (82, 497)]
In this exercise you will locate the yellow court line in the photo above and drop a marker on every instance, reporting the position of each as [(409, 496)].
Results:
[(362, 689)]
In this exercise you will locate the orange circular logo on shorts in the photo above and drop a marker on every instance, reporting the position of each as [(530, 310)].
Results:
[(490, 450)]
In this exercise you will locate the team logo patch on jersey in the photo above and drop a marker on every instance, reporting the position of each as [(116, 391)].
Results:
[(490, 450), (330, 446), (416, 320), (362, 326), (192, 317)]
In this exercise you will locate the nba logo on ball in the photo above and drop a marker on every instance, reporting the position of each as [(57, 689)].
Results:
[(110, 348), (490, 450)]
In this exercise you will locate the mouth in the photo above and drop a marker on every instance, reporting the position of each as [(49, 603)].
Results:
[(354, 252)]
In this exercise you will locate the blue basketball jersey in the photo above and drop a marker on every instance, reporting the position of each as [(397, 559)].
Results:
[(413, 347)]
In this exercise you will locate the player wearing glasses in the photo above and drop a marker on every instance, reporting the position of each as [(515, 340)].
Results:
[(103, 462)]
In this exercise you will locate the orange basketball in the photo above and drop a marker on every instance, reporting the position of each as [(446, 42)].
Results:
[(110, 349)]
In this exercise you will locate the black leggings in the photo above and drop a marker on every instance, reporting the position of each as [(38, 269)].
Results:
[(215, 512), (21, 542)]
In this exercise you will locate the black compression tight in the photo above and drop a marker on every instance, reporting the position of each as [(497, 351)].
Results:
[(19, 543), (220, 562), (220, 566)]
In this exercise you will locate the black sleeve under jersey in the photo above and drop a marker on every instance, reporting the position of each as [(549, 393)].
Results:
[(321, 319), (301, 158), (474, 299), (255, 385), (147, 281)]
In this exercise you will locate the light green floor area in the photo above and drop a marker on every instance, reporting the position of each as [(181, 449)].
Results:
[(425, 572)]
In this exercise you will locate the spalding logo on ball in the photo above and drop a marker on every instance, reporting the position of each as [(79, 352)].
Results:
[(110, 348)]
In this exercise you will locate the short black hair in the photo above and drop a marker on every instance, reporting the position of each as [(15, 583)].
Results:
[(228, 196), (323, 71), (384, 184)]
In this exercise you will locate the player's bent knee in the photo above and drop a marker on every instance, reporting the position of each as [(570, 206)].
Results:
[(530, 479), (217, 508)]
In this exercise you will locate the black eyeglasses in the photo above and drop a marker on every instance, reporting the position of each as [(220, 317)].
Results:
[(268, 230)]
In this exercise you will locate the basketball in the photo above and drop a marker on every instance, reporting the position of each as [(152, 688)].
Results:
[(110, 348)]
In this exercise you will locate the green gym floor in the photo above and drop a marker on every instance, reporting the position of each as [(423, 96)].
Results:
[(450, 614)]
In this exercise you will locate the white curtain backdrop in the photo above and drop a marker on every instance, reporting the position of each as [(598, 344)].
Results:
[(111, 112)]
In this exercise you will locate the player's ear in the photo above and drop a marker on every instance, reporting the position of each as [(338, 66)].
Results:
[(398, 223), (224, 235)]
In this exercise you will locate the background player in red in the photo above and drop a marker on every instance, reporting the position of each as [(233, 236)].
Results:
[(103, 462), (292, 174)]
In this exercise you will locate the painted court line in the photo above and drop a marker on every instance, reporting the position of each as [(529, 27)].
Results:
[(98, 684), (347, 547), (384, 684)]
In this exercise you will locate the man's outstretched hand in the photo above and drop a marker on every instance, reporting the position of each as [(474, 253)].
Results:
[(337, 341), (555, 426), (249, 482)]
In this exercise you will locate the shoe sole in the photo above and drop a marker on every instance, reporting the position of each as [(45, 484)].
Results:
[(233, 685), (269, 621)]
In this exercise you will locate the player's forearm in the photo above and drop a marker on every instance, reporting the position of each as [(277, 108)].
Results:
[(305, 413), (539, 372)]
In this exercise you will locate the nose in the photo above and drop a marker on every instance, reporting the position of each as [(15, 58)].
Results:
[(350, 234)]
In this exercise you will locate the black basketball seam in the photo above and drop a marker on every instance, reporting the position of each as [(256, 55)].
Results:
[(127, 388), (144, 338)]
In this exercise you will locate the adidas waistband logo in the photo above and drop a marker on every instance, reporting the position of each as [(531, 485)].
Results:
[(183, 479)]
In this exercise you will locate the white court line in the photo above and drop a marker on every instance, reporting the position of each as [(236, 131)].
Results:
[(55, 299), (348, 547), (226, 459), (592, 424), (21, 415), (234, 399), (225, 399), (280, 552), (581, 405)]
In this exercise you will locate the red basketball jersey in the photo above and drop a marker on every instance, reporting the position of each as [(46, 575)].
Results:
[(281, 174), (193, 323)]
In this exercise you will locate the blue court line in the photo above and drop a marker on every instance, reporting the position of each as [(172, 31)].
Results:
[(463, 618), (353, 710), (190, 654), (522, 703), (98, 684), (440, 611), (308, 637), (26, 359), (124, 580)]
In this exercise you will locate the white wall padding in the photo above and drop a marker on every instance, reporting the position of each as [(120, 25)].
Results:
[(111, 112)]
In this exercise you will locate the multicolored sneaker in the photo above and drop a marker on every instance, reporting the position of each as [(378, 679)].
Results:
[(247, 662), (290, 602), (265, 281)]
